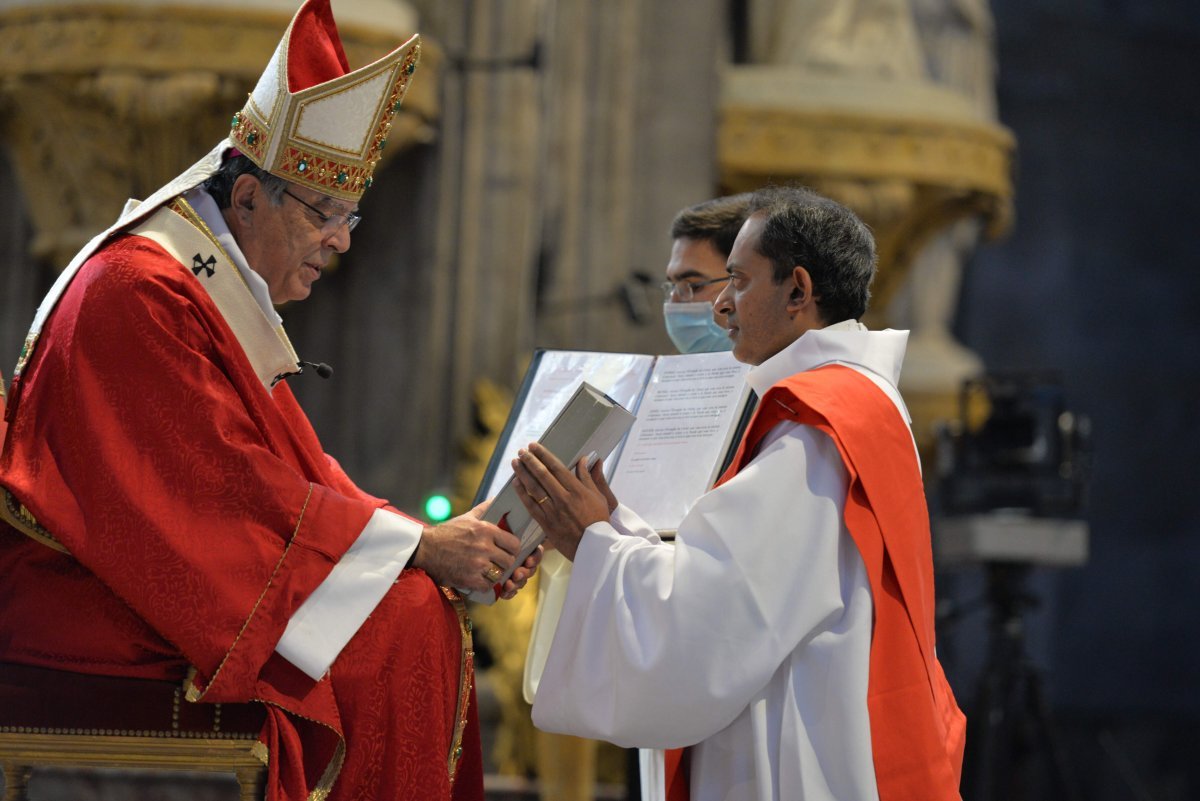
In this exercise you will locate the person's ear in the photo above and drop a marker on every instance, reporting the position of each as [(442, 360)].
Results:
[(245, 193), (801, 293)]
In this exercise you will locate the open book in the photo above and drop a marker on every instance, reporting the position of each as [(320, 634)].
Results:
[(691, 410)]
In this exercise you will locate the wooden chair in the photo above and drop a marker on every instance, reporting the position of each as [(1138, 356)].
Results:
[(58, 719), (51, 718), (21, 751)]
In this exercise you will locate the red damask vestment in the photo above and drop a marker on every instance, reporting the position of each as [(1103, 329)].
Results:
[(199, 511)]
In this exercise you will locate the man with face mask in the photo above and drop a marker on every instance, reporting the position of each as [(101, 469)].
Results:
[(703, 236)]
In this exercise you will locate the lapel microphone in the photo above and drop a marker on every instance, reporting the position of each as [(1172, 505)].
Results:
[(322, 369)]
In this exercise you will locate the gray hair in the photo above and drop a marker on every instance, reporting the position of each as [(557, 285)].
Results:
[(220, 183)]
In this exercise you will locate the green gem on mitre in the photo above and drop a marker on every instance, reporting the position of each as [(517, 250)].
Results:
[(367, 183), (251, 138), (236, 119), (342, 177), (411, 67), (302, 166)]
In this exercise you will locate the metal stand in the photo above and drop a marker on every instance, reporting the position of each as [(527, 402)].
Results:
[(1012, 732)]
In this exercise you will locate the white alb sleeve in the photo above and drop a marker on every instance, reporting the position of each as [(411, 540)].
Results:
[(328, 618)]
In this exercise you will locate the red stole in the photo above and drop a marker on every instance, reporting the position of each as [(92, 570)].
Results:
[(917, 731)]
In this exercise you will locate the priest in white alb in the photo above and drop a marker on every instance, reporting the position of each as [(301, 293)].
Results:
[(782, 648)]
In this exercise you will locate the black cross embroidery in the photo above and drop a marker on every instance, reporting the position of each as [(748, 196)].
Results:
[(208, 265)]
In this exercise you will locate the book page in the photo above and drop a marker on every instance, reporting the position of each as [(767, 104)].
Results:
[(684, 425), (621, 376)]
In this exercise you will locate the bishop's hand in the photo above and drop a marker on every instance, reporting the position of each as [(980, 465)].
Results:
[(470, 554)]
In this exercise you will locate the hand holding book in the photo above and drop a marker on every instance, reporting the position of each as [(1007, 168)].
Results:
[(460, 551), (585, 430), (564, 502)]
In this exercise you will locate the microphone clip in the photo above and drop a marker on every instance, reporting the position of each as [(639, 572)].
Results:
[(321, 368)]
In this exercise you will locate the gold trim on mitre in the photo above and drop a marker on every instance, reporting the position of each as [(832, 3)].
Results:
[(329, 136)]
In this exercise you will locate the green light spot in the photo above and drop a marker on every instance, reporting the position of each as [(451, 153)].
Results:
[(437, 508)]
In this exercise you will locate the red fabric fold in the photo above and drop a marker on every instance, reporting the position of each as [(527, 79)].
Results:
[(315, 53)]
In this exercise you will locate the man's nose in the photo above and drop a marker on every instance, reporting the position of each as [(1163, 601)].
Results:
[(339, 240), (724, 301)]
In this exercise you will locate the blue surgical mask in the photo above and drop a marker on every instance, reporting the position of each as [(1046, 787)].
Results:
[(692, 328)]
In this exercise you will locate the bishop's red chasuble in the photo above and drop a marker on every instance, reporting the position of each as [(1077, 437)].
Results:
[(917, 730), (194, 511)]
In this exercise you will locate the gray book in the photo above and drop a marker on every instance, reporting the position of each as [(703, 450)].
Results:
[(586, 429)]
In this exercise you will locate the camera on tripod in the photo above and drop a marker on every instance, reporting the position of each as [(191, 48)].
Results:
[(1030, 454), (1012, 487), (1011, 491)]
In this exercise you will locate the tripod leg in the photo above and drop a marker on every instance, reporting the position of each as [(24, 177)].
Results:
[(990, 738), (1064, 780)]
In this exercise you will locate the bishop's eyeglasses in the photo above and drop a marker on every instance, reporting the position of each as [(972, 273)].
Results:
[(330, 223)]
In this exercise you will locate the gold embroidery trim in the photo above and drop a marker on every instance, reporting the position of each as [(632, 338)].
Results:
[(19, 517), (260, 750), (166, 735), (465, 680), (194, 693), (26, 353), (332, 770), (185, 210)]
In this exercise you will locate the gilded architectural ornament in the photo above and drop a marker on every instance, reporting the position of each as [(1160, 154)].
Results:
[(888, 106), (909, 172), (103, 102)]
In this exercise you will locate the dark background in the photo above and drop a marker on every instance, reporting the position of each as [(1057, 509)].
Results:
[(1099, 282)]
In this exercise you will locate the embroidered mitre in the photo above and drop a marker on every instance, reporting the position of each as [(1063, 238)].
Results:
[(312, 120)]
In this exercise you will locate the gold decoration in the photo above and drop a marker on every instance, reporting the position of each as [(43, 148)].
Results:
[(906, 176), (17, 515), (102, 103), (466, 680), (21, 748)]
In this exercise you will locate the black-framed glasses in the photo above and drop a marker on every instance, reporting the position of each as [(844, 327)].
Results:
[(684, 291), (330, 223)]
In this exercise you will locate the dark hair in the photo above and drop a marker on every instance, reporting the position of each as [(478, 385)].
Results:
[(717, 221), (802, 228), (220, 183)]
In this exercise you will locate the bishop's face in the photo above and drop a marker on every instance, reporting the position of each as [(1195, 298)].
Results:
[(291, 242)]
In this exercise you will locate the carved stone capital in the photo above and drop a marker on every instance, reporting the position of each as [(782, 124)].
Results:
[(99, 103), (908, 158)]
